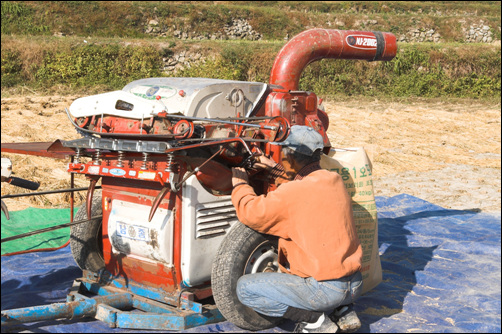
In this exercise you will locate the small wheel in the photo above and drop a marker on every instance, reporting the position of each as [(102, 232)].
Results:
[(283, 128), (86, 239), (183, 129), (82, 121), (243, 251)]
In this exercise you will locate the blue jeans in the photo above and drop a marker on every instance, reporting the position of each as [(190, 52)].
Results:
[(272, 293)]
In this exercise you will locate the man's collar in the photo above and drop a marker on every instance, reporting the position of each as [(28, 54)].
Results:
[(306, 170)]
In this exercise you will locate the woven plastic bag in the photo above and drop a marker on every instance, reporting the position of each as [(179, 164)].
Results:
[(355, 168)]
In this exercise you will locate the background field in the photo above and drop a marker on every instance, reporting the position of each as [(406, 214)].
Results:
[(446, 48)]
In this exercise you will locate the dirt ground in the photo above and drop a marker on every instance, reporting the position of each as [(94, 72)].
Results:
[(447, 153)]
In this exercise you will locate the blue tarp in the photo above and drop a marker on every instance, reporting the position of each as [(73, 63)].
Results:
[(441, 273)]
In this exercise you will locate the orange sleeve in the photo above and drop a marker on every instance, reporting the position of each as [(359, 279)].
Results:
[(264, 213)]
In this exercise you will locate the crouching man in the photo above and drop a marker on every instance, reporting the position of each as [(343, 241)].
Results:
[(319, 251)]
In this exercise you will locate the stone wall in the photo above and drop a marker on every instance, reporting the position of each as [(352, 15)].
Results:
[(420, 35), (181, 60), (478, 33), (473, 33), (239, 29)]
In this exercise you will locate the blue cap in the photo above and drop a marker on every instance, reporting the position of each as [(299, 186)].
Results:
[(303, 139)]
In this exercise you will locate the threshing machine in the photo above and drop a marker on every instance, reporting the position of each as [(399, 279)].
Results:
[(156, 236)]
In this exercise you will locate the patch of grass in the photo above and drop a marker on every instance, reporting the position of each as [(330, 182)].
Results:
[(417, 70), (234, 61), (18, 17), (11, 68), (89, 65)]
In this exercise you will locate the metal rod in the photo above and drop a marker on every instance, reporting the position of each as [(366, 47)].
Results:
[(101, 128), (5, 210), (223, 122), (90, 193), (208, 140), (48, 229), (218, 142), (197, 169), (47, 192), (77, 309), (72, 195), (261, 118)]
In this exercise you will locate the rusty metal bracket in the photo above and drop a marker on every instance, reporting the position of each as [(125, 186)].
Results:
[(157, 201), (90, 193), (5, 210)]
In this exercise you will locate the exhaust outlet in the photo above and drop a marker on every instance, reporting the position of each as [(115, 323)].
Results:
[(316, 44)]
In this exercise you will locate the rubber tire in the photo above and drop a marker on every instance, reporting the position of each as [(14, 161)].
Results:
[(228, 267), (86, 238)]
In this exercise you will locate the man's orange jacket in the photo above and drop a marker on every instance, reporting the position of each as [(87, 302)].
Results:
[(314, 222)]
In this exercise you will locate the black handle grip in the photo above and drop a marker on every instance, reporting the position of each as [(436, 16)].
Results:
[(16, 181)]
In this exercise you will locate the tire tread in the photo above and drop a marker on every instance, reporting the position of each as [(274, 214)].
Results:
[(228, 266)]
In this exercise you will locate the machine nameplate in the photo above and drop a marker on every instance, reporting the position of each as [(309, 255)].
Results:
[(132, 231)]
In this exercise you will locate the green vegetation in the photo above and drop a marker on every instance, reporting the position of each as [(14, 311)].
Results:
[(99, 64), (117, 49), (417, 70)]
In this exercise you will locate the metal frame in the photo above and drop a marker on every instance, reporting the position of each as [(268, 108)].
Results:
[(139, 307)]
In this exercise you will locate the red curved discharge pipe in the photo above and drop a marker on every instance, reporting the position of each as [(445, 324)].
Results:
[(316, 44)]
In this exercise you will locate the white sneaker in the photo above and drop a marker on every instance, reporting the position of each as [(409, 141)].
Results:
[(322, 325)]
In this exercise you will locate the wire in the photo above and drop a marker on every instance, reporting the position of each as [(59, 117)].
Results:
[(57, 227)]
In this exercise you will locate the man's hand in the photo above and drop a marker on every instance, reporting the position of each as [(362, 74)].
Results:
[(262, 162), (239, 175)]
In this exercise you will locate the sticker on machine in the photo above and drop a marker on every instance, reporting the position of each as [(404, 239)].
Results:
[(93, 169), (117, 172), (132, 231), (362, 42), (150, 92), (146, 175)]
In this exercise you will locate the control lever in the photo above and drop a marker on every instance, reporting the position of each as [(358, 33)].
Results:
[(15, 181)]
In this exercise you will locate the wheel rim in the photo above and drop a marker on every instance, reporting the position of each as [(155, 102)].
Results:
[(262, 259)]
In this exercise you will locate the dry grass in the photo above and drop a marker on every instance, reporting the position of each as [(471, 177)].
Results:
[(418, 135), (38, 119)]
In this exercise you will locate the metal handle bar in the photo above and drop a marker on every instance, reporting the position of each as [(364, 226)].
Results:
[(48, 192)]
